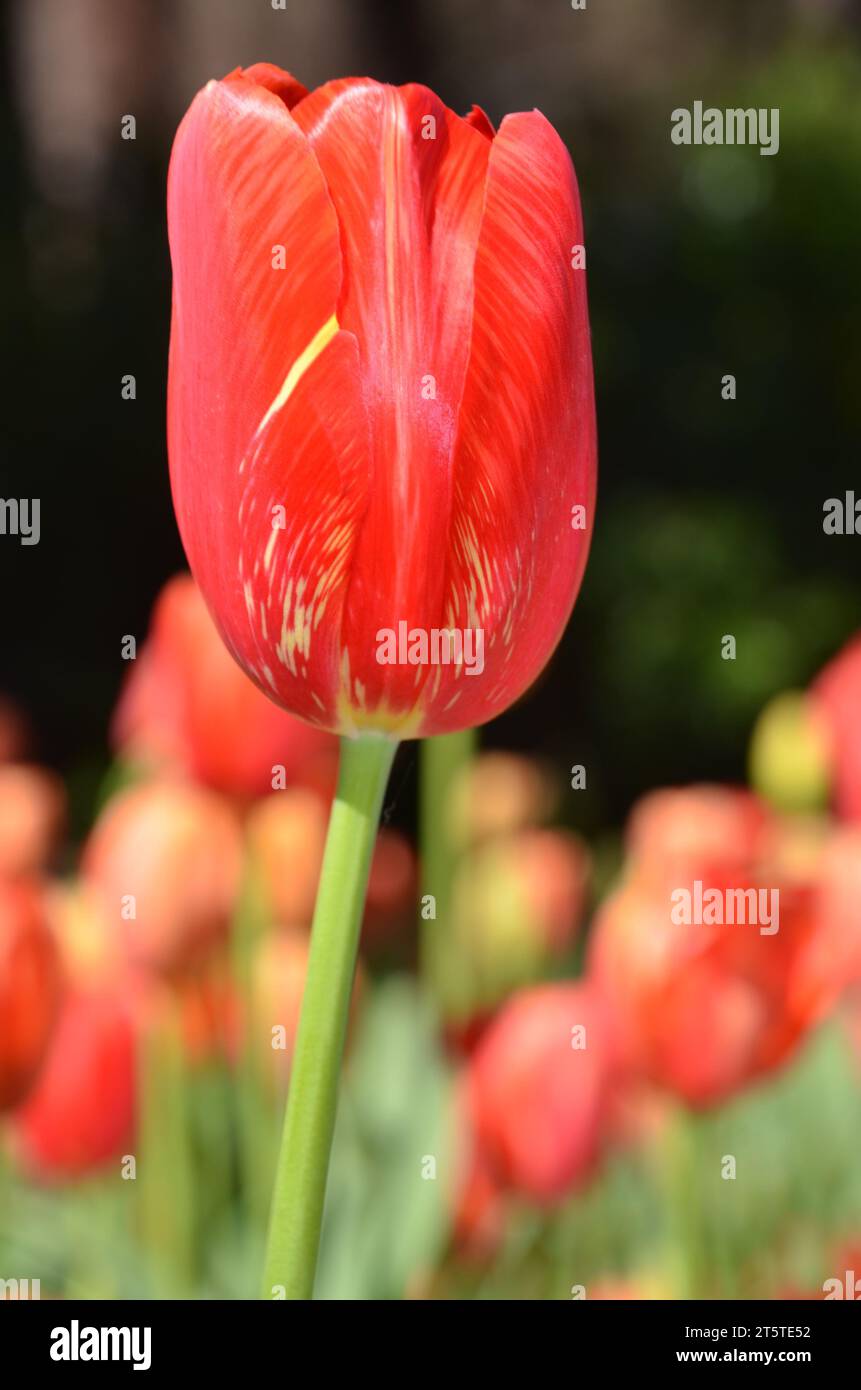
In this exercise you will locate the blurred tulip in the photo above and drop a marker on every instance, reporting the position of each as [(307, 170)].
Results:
[(187, 707), (704, 1008), (80, 1114), (92, 952), (278, 986), (380, 413), (164, 863), (286, 838), (32, 810), (834, 951), (517, 904), (540, 1086), (497, 794), (480, 1214), (677, 833), (836, 696), (210, 1017), (29, 988), (391, 898)]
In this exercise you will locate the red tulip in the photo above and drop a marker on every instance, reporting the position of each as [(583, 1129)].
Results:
[(380, 415), (187, 707), (29, 988), (164, 862), (836, 696), (705, 1007), (81, 1112), (539, 1098), (833, 958)]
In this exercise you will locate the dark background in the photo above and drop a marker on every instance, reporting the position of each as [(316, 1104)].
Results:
[(701, 261)]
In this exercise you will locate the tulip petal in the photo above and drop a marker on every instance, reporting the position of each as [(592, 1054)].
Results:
[(525, 451), (264, 391), (282, 83), (406, 178), (480, 119)]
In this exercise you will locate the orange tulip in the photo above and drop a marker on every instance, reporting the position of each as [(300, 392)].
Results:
[(279, 982), (286, 837), (187, 707), (497, 794), (164, 863), (32, 809)]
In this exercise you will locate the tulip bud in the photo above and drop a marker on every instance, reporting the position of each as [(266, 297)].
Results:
[(187, 707), (32, 808), (789, 754), (29, 988), (163, 862), (497, 794), (836, 695), (516, 907), (712, 832), (80, 1114), (380, 410), (540, 1083)]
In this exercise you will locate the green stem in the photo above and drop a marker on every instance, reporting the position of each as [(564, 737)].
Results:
[(684, 1158), (441, 759), (166, 1184), (303, 1163), (257, 1130)]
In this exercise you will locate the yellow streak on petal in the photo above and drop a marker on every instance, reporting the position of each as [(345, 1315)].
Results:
[(320, 340)]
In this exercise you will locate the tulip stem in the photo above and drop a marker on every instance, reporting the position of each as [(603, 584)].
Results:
[(441, 760), (300, 1182)]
